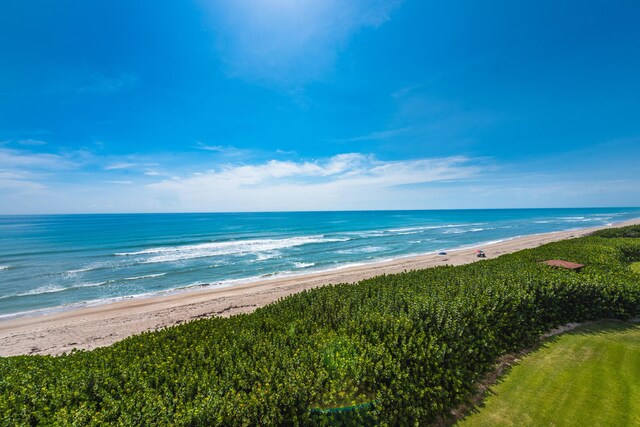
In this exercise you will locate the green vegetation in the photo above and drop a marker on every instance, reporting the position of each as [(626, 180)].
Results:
[(631, 231), (589, 377), (411, 344), (635, 266)]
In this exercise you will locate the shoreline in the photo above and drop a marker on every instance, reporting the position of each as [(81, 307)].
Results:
[(243, 281), (103, 324)]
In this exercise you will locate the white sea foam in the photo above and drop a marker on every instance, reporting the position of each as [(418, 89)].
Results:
[(235, 247), (576, 219), (409, 230), (468, 230), (267, 255), (5, 267), (146, 276), (80, 270), (51, 289), (89, 284), (365, 234), (303, 264), (363, 250), (419, 229), (454, 231), (88, 267)]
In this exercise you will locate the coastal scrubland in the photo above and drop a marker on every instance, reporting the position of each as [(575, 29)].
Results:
[(395, 349)]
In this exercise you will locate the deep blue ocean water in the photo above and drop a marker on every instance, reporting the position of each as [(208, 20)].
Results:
[(51, 262)]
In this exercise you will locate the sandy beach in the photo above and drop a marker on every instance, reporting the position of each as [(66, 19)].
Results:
[(92, 327)]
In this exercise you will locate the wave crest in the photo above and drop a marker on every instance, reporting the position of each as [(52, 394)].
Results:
[(233, 247)]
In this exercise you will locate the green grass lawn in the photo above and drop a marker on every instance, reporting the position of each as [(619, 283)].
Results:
[(635, 266), (588, 377)]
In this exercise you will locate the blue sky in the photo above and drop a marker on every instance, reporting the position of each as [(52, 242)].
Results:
[(245, 105)]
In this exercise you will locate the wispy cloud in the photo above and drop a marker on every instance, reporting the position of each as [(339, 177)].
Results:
[(227, 150), (19, 181), (376, 136), (31, 142), (286, 152), (400, 93), (289, 42), (152, 172), (27, 171), (91, 82), (120, 165), (419, 115), (119, 182), (20, 159)]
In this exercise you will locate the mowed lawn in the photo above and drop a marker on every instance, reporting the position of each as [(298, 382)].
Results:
[(587, 377)]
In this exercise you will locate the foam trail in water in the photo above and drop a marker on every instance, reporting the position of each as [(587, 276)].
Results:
[(80, 270), (146, 276), (364, 250), (234, 247), (303, 264), (51, 289)]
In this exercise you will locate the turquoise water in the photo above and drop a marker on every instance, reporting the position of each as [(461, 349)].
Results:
[(60, 261)]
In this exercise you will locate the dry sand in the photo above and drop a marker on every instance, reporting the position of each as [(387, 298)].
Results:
[(91, 327)]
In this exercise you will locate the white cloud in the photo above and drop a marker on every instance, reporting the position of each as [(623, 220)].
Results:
[(78, 182), (345, 181)]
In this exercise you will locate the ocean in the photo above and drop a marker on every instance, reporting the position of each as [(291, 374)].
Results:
[(54, 262)]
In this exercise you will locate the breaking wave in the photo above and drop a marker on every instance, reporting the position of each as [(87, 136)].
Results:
[(234, 247)]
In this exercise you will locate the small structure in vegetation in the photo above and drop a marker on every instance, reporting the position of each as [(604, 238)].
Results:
[(564, 264)]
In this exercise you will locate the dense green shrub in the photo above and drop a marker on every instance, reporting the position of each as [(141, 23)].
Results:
[(412, 345), (631, 231)]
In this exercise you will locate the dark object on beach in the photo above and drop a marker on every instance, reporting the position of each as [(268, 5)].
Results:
[(480, 253), (442, 253), (564, 264)]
